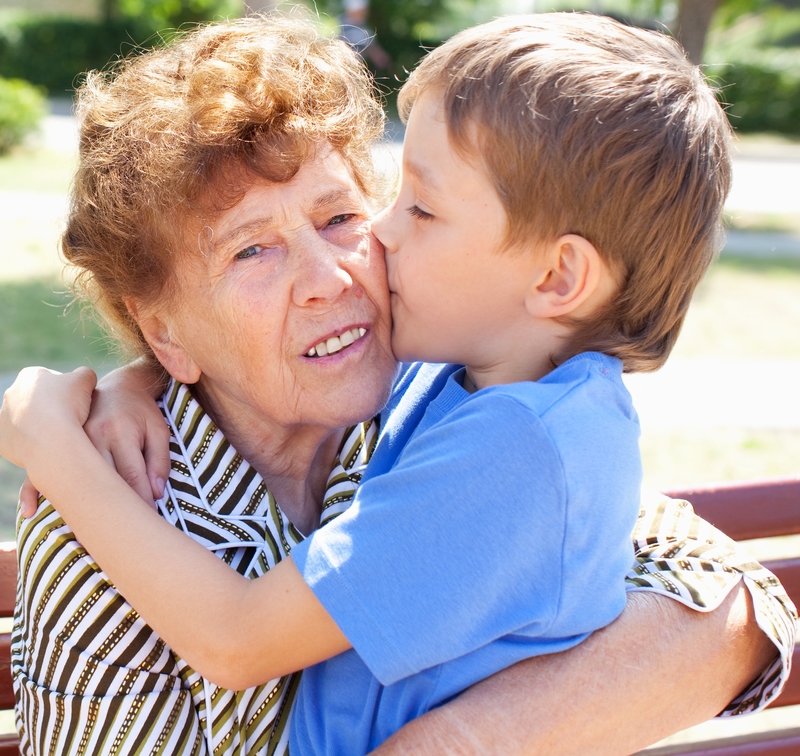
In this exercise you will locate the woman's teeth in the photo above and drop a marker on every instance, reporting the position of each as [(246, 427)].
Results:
[(336, 343)]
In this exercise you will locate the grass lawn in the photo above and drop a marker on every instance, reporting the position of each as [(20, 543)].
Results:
[(745, 309), (39, 323), (36, 170), (42, 326)]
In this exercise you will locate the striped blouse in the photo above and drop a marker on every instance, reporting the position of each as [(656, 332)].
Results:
[(91, 677)]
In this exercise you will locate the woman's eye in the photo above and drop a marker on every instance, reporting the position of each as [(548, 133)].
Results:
[(417, 212), (337, 220), (248, 252)]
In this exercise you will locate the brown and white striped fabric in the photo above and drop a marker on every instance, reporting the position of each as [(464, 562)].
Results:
[(678, 554), (91, 677)]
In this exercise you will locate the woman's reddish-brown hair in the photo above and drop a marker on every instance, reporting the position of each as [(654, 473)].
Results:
[(164, 131)]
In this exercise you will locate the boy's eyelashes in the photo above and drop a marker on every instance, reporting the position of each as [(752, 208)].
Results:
[(417, 212)]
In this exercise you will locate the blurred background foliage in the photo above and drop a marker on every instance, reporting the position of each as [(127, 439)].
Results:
[(751, 47), (52, 50), (22, 107), (755, 57)]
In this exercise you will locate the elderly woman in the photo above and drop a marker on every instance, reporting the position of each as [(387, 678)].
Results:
[(262, 131)]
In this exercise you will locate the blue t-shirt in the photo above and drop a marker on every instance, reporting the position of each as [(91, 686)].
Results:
[(489, 528)]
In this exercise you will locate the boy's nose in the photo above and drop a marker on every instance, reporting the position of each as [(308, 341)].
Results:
[(382, 228)]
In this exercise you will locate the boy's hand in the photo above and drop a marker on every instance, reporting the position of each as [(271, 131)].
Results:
[(28, 498), (127, 428), (39, 404)]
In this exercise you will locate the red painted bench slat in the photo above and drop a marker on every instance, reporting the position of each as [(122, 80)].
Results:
[(9, 745), (6, 691), (782, 743), (741, 509)]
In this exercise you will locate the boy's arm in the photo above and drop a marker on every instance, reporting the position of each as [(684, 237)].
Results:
[(234, 631), (659, 668), (127, 427)]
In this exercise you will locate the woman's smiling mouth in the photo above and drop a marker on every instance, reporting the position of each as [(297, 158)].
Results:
[(336, 343)]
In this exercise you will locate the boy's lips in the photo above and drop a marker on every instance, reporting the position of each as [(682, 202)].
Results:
[(334, 344)]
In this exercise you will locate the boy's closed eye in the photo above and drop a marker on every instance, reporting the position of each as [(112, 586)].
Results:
[(419, 213)]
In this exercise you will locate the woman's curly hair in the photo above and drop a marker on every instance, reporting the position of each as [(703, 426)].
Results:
[(162, 133)]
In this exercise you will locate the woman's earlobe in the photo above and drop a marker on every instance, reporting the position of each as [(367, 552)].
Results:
[(166, 347)]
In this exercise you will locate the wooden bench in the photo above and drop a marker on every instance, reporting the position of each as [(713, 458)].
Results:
[(9, 744), (755, 509), (760, 509)]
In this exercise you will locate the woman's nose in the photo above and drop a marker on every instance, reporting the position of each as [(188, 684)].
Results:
[(322, 275)]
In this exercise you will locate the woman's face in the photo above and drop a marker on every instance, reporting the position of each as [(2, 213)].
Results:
[(283, 311)]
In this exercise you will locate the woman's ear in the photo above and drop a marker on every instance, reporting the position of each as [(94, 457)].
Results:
[(569, 281), (168, 350)]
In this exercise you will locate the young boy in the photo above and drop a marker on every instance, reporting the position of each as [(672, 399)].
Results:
[(563, 179), (562, 183)]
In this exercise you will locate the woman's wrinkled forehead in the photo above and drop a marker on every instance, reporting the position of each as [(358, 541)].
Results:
[(228, 196), (224, 184)]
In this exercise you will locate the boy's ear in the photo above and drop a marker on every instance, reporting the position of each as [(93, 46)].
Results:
[(568, 279), (168, 351)]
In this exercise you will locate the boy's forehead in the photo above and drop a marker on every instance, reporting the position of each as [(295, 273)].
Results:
[(429, 149), (422, 173)]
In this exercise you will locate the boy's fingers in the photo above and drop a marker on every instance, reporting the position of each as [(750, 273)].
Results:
[(28, 499), (86, 376), (130, 465), (156, 457)]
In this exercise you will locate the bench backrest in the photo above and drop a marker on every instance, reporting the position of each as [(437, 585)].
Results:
[(9, 745), (755, 509), (758, 509)]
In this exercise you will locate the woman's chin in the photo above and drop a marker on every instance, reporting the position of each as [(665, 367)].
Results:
[(355, 382)]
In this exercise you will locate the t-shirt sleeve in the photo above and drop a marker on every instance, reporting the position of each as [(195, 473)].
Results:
[(462, 543), (680, 555)]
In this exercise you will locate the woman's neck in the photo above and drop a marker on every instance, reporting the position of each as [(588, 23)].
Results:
[(294, 462)]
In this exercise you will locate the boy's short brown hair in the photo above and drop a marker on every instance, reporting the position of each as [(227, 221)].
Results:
[(590, 127)]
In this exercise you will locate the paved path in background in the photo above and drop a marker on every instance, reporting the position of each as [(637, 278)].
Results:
[(753, 394), (719, 393), (766, 185)]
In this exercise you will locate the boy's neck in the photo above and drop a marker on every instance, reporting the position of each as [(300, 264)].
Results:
[(519, 364)]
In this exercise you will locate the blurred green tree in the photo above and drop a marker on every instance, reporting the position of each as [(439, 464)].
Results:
[(167, 13), (172, 13), (407, 29), (692, 24), (695, 18), (22, 107), (53, 51)]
